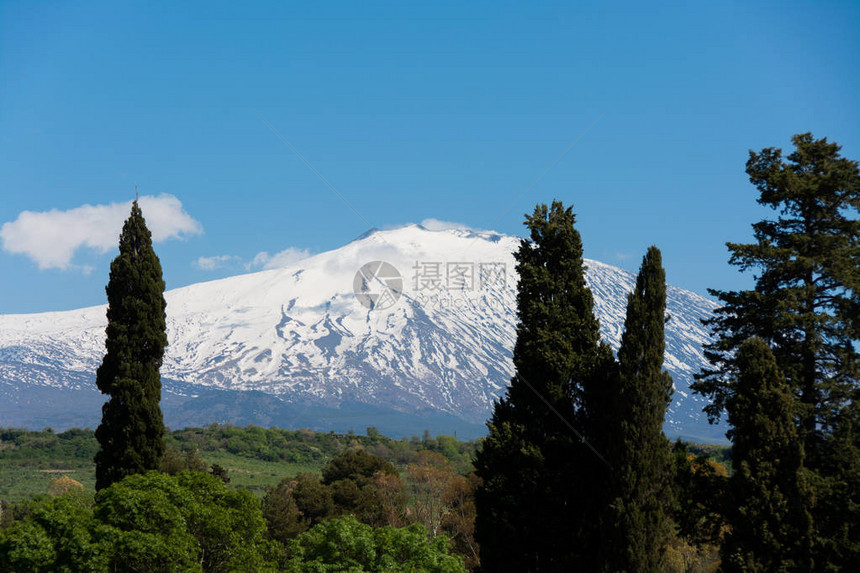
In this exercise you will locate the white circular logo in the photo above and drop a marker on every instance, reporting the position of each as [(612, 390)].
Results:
[(377, 285)]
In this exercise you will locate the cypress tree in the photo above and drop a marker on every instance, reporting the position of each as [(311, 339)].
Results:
[(805, 306), (636, 522), (770, 527), (131, 435), (535, 511)]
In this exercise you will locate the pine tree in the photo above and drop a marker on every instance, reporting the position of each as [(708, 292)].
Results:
[(806, 307), (535, 508), (636, 524), (131, 434), (806, 301), (770, 527)]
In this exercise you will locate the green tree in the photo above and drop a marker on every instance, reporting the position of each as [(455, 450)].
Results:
[(806, 303), (357, 465), (345, 544), (188, 522), (699, 490), (636, 522), (536, 508), (297, 504), (56, 535), (143, 526), (283, 518), (771, 529), (806, 307), (131, 434), (350, 477)]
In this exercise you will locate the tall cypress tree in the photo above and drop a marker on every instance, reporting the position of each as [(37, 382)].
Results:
[(636, 525), (770, 527), (805, 306), (131, 434), (535, 511)]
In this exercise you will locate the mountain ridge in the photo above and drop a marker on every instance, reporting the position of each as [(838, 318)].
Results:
[(301, 335)]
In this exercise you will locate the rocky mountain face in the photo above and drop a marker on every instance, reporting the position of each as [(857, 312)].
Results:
[(405, 330)]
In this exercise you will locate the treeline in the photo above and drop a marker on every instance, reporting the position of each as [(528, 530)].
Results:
[(307, 446), (413, 509), (27, 447), (194, 522)]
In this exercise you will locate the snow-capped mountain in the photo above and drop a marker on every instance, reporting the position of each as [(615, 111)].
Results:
[(403, 329)]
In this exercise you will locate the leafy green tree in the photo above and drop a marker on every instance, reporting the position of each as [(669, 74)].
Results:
[(227, 524), (805, 306), (143, 527), (56, 535), (636, 523), (131, 434), (357, 465), (345, 544), (313, 499), (188, 522), (297, 504), (536, 508), (350, 477), (283, 518), (771, 529), (26, 546)]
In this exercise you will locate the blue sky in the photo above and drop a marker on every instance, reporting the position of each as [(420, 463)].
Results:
[(411, 111)]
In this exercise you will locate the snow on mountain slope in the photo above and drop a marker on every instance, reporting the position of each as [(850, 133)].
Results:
[(302, 334)]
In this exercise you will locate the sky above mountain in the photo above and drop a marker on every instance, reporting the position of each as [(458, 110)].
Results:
[(259, 135)]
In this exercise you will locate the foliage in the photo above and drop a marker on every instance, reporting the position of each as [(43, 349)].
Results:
[(684, 557), (174, 461), (283, 518), (771, 529), (145, 522), (429, 480), (635, 523), (131, 434), (350, 484), (459, 520), (356, 465), (345, 544), (805, 306), (257, 459), (63, 485), (56, 535), (699, 485), (536, 508), (315, 448)]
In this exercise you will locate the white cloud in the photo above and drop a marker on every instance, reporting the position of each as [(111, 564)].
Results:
[(262, 260), (439, 225), (216, 262), (51, 238), (279, 260)]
